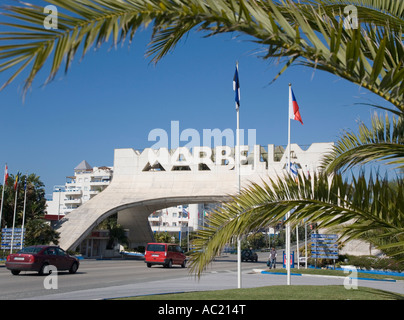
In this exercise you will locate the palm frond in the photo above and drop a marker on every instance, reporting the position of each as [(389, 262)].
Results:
[(308, 33), (383, 141), (390, 12), (355, 208)]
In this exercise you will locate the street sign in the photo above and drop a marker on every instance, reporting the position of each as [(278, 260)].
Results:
[(292, 259), (324, 246), (7, 235)]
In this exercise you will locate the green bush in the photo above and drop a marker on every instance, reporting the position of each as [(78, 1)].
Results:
[(371, 262)]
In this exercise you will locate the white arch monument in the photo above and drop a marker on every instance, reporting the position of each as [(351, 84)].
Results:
[(155, 179)]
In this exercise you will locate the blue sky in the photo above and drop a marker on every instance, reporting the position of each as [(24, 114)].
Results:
[(113, 98)]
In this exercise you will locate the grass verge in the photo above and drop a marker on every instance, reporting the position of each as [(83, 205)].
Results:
[(300, 292)]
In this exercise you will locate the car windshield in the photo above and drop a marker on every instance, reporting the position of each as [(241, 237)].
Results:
[(156, 247), (30, 250)]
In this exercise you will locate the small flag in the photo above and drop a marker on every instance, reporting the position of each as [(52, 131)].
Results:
[(185, 213), (236, 87), (294, 112), (5, 175), (293, 168), (16, 182), (308, 173)]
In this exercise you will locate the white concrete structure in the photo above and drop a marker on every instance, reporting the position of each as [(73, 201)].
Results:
[(155, 179), (88, 181)]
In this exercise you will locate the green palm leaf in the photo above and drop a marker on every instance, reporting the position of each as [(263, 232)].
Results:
[(308, 32), (354, 209), (383, 141)]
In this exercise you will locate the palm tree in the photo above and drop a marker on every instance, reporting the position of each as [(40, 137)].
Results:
[(310, 33), (39, 232), (370, 209), (35, 200)]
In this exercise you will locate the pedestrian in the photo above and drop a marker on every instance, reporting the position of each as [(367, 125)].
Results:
[(272, 258)]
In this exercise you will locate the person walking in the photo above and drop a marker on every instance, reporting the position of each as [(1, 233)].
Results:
[(272, 258)]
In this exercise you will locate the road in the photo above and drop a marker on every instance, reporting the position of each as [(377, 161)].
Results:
[(94, 274), (121, 278)]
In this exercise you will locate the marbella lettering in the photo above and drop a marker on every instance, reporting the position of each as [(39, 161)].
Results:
[(222, 155), (214, 309)]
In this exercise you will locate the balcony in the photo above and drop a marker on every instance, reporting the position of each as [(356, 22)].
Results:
[(100, 183), (170, 229), (72, 201), (73, 192)]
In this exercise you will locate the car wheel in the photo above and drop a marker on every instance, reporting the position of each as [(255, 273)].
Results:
[(43, 268), (149, 265), (15, 272), (184, 264), (73, 268), (170, 264)]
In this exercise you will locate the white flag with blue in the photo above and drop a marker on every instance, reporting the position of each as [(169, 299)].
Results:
[(293, 169)]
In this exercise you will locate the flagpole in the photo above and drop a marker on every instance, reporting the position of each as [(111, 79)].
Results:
[(288, 214), (239, 187), (2, 195), (23, 215), (188, 231), (15, 211)]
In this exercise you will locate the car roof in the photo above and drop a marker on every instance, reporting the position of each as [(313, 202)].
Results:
[(42, 246), (169, 244)]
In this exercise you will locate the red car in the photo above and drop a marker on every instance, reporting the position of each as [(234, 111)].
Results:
[(37, 258), (165, 254)]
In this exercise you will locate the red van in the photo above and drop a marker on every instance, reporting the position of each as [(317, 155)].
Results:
[(165, 254)]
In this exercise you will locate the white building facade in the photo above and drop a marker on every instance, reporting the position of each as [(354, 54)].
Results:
[(87, 182), (180, 218)]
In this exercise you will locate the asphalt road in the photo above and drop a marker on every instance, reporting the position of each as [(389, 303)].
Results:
[(94, 274), (121, 278)]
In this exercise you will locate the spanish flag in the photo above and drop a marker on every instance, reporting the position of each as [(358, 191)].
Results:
[(16, 182)]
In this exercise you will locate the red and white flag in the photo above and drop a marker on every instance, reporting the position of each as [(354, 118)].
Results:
[(294, 112), (5, 175)]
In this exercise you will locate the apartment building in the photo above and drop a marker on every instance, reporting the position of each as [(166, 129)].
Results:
[(86, 182)]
